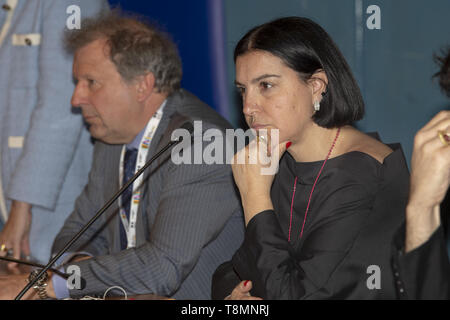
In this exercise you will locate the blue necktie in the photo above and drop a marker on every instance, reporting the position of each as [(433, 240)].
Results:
[(129, 165)]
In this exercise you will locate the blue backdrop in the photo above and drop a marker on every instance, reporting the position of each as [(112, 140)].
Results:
[(197, 29)]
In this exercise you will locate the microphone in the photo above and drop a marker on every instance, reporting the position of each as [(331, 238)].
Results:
[(34, 264), (187, 126)]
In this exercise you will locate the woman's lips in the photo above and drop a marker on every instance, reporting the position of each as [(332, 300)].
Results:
[(258, 126)]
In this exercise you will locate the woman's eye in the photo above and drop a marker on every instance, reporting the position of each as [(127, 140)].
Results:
[(265, 85)]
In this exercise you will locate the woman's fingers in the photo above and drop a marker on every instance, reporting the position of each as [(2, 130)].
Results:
[(242, 292), (442, 119)]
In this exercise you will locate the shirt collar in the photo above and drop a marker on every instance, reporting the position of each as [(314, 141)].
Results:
[(137, 140)]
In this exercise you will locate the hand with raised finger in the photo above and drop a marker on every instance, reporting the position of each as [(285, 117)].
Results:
[(430, 162), (430, 178)]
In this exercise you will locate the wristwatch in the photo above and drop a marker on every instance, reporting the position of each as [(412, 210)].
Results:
[(41, 284)]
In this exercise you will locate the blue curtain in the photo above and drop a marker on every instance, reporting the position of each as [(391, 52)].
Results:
[(197, 27)]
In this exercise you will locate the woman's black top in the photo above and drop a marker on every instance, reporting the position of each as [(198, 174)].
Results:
[(345, 250)]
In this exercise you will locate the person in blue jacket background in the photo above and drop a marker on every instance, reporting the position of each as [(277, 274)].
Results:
[(45, 151)]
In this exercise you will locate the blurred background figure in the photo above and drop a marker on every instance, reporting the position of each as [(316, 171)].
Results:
[(421, 264), (45, 151)]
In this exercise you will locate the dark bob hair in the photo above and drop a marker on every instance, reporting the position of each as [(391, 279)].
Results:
[(306, 48), (444, 73)]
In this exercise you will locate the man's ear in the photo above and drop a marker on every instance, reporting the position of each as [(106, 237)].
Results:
[(145, 85), (319, 84)]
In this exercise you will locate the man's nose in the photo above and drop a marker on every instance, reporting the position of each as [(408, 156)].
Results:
[(79, 95)]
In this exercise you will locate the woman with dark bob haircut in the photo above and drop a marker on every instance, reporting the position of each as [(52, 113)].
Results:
[(322, 226)]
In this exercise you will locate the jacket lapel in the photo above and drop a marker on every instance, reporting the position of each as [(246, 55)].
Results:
[(160, 138)]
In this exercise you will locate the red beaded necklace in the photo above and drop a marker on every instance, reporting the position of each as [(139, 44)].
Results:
[(312, 190)]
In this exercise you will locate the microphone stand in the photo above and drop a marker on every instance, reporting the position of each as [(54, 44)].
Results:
[(97, 215)]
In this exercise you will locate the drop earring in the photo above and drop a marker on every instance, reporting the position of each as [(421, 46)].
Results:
[(316, 106)]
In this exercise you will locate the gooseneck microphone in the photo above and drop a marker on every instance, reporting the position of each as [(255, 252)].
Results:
[(187, 126), (34, 264)]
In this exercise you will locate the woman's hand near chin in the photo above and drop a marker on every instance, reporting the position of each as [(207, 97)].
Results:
[(254, 168)]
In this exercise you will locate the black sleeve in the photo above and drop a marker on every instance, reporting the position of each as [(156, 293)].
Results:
[(423, 273), (224, 281)]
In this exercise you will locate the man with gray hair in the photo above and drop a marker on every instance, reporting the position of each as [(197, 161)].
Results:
[(176, 224)]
